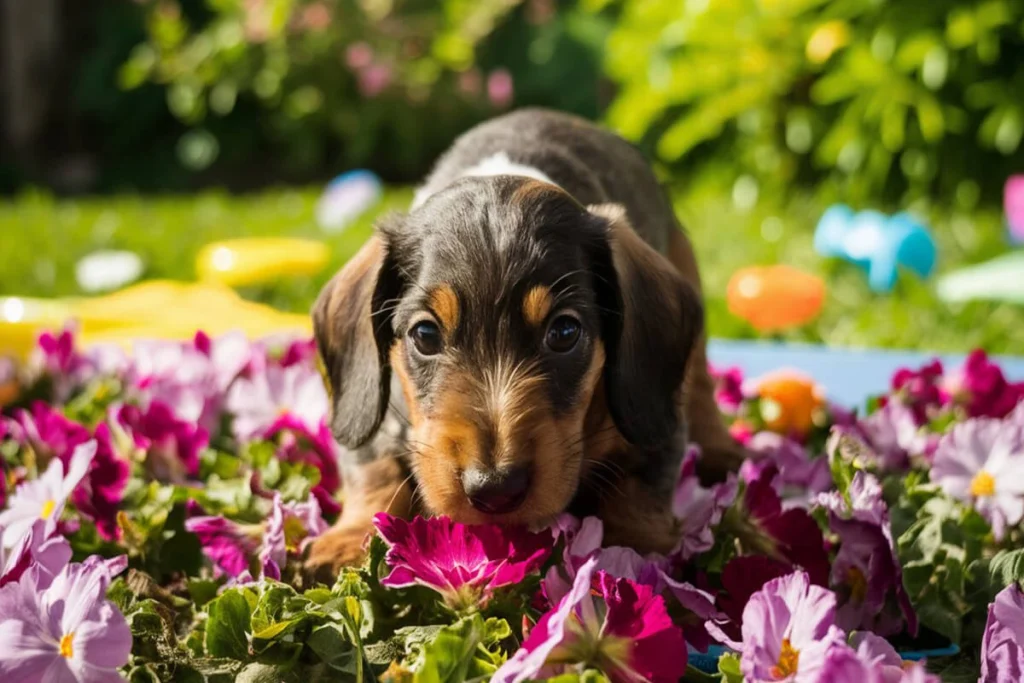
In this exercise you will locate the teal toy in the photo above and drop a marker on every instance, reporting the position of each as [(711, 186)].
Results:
[(879, 244)]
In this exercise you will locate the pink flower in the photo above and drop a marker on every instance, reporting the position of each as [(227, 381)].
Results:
[(228, 545), (866, 572), (1002, 648), (290, 527), (979, 462), (982, 389), (615, 625), (298, 352), (179, 375), (63, 629), (698, 509), (41, 548), (56, 357), (358, 56), (499, 88), (229, 355), (464, 563), (49, 433), (374, 79), (876, 663), (258, 402), (1013, 206), (171, 446), (44, 498), (893, 434), (920, 389), (788, 630), (728, 389)]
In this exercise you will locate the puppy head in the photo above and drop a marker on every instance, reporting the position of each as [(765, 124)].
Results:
[(527, 333)]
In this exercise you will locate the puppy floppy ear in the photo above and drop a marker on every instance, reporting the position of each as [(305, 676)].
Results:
[(353, 329), (650, 318)]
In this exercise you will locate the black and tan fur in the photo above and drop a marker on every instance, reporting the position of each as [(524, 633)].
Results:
[(492, 261)]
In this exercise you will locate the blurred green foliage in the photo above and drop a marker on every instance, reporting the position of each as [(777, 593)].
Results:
[(331, 84), (882, 100), (45, 237)]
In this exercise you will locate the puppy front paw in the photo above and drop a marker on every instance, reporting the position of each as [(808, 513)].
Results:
[(335, 549)]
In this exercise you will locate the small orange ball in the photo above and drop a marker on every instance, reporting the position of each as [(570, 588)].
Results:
[(789, 401), (773, 298)]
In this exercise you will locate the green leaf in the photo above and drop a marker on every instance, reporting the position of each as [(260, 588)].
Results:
[(938, 613), (695, 675), (448, 658), (266, 673), (335, 649), (228, 626), (202, 591), (729, 667), (1006, 567)]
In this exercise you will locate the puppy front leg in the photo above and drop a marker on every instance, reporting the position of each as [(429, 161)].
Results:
[(637, 517), (378, 486)]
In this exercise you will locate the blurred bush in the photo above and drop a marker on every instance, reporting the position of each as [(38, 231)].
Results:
[(878, 99), (322, 85)]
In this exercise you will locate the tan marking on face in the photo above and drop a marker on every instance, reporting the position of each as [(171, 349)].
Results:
[(444, 302), (537, 304), (398, 366)]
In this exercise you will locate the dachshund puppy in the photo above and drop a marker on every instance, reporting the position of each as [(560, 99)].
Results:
[(526, 341)]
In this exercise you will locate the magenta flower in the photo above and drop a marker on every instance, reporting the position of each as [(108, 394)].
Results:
[(49, 433), (791, 535), (1002, 648), (464, 563), (171, 446), (788, 630), (499, 88), (298, 352), (44, 498), (982, 389), (228, 545), (98, 497), (979, 462), (40, 548), (742, 577), (229, 356), (615, 625), (697, 509), (797, 469), (866, 572), (296, 444), (728, 389), (234, 548), (56, 357), (258, 402), (64, 629), (920, 389)]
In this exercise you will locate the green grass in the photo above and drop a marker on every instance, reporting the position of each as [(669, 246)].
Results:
[(42, 238)]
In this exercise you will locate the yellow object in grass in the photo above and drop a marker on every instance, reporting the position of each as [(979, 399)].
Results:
[(157, 309), (259, 260)]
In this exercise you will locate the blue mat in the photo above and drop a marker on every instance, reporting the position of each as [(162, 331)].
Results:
[(708, 661), (849, 376)]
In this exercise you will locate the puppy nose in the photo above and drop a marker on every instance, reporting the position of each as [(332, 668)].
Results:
[(496, 491)]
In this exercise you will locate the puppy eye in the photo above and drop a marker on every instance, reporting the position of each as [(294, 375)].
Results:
[(426, 337), (563, 334)]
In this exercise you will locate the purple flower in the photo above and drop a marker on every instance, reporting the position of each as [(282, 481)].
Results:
[(788, 629), (464, 563), (40, 548), (979, 462), (290, 527), (866, 572), (613, 624), (171, 446), (64, 629), (1002, 648), (258, 402), (44, 498), (893, 434), (982, 389), (797, 469), (698, 509)]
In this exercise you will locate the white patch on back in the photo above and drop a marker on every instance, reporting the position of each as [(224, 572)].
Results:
[(496, 164)]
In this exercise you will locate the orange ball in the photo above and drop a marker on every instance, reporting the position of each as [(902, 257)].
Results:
[(774, 298), (789, 401)]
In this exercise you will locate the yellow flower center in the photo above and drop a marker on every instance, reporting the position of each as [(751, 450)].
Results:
[(983, 484), (66, 649), (858, 584), (789, 658), (47, 510)]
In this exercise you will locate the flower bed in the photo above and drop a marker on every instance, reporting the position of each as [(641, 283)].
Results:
[(157, 505)]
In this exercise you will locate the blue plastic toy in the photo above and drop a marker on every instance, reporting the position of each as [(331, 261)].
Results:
[(877, 243)]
